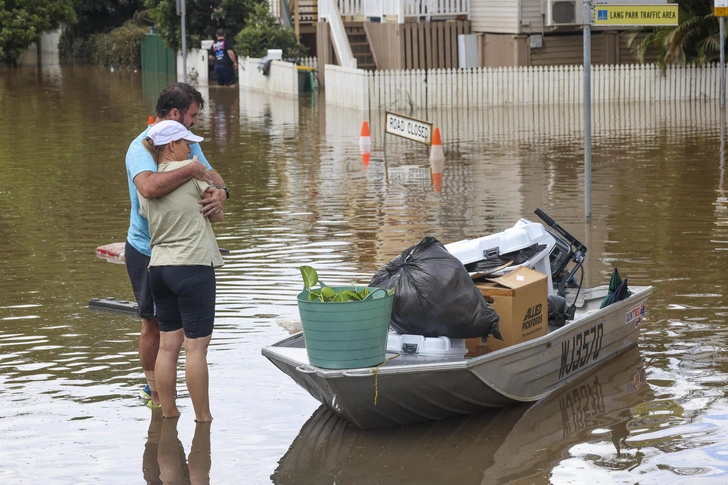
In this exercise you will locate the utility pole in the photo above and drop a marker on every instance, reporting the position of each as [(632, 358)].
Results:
[(587, 112), (181, 11)]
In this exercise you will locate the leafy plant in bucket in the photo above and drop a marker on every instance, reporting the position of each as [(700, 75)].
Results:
[(326, 294)]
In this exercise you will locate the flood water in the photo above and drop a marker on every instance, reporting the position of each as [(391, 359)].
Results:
[(301, 194)]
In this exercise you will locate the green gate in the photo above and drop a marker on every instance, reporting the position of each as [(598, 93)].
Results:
[(158, 68), (156, 56)]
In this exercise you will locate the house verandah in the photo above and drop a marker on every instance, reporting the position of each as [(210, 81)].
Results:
[(424, 34)]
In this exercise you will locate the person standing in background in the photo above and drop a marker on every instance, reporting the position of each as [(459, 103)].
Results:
[(225, 60)]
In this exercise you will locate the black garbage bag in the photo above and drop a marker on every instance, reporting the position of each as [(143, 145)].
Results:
[(434, 295), (557, 311), (264, 65)]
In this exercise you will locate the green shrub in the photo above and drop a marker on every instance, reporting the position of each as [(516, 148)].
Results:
[(122, 47), (203, 18), (261, 33)]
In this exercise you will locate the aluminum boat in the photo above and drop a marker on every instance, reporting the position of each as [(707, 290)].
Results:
[(417, 387)]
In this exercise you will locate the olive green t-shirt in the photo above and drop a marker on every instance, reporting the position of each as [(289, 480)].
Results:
[(181, 236)]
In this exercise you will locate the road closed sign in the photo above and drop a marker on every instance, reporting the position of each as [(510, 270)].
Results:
[(636, 15), (406, 127)]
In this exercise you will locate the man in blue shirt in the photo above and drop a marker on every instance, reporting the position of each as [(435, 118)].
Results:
[(180, 102)]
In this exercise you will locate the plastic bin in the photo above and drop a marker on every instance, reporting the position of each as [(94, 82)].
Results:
[(305, 76), (425, 346), (346, 335)]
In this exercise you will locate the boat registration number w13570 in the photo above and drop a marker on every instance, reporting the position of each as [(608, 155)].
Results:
[(580, 349)]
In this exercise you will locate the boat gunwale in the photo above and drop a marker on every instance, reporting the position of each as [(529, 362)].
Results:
[(638, 292)]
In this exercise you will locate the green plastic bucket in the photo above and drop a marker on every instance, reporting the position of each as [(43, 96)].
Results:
[(346, 335)]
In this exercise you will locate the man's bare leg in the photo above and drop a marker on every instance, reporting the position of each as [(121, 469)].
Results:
[(197, 376), (165, 370), (148, 348)]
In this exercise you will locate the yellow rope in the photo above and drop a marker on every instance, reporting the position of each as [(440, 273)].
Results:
[(375, 371)]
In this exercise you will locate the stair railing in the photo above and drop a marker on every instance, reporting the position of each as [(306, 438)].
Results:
[(399, 8), (338, 34), (286, 17)]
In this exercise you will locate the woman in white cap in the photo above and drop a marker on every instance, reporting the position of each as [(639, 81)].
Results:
[(182, 269)]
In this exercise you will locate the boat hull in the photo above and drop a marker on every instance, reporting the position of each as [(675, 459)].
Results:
[(409, 389)]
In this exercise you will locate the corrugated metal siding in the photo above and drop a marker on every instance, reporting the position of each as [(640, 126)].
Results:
[(496, 16), (565, 50)]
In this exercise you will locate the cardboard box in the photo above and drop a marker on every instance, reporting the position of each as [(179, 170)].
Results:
[(520, 298)]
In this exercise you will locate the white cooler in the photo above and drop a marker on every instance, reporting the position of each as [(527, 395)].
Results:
[(522, 235)]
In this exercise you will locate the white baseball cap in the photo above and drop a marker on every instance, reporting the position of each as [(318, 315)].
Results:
[(170, 130)]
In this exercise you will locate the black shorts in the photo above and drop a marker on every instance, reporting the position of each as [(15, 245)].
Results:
[(225, 75), (137, 265), (185, 298)]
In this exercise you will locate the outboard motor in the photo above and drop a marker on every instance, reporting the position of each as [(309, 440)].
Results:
[(566, 250)]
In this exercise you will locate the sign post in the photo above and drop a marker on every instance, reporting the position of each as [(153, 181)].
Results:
[(182, 12), (625, 13), (587, 111), (721, 11)]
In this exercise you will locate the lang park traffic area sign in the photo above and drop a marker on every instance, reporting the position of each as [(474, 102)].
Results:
[(406, 127), (636, 15), (720, 8)]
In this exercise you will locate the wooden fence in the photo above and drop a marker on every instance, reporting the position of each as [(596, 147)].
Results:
[(489, 87), (431, 45)]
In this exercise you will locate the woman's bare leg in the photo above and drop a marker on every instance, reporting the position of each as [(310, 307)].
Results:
[(199, 461), (165, 370), (170, 454), (197, 376)]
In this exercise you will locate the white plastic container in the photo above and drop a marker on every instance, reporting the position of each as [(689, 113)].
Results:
[(522, 235), (275, 54), (407, 344)]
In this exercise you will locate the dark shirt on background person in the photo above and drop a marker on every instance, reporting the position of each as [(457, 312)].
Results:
[(225, 60)]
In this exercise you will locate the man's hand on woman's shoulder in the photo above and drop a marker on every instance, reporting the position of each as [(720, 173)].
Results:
[(199, 170)]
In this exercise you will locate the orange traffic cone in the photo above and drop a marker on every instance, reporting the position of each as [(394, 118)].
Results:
[(150, 121), (437, 181), (437, 159), (365, 144)]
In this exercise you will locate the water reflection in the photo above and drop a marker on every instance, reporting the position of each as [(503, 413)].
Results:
[(165, 461), (497, 446), (301, 195)]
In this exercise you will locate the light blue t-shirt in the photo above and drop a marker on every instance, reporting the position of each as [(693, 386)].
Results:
[(138, 160)]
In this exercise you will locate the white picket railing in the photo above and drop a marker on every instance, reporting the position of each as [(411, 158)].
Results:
[(309, 62), (398, 8), (485, 87)]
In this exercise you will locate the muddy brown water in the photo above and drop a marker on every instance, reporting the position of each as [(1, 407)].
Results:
[(301, 194)]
